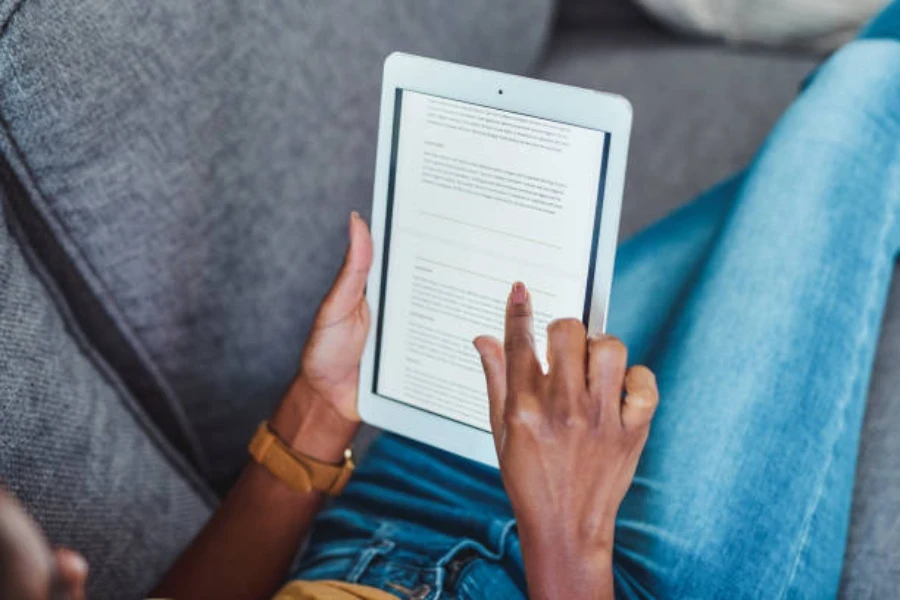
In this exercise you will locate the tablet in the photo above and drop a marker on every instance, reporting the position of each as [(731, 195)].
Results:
[(482, 179)]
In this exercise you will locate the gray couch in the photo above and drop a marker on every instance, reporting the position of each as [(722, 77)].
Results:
[(175, 178)]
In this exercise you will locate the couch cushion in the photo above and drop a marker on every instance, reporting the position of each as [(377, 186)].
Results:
[(76, 448), (195, 162), (819, 24), (872, 564), (701, 112)]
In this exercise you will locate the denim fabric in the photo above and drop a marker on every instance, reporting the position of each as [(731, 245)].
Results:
[(418, 518), (758, 306)]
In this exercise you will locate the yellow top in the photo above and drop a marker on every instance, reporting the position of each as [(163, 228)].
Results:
[(330, 590)]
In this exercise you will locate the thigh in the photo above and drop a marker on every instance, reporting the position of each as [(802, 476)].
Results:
[(763, 358), (419, 521)]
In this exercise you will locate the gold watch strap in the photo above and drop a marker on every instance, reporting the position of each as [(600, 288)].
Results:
[(300, 472)]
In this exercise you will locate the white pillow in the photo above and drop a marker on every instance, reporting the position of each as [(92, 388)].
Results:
[(819, 24)]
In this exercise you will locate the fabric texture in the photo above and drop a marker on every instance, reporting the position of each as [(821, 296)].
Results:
[(771, 397), (196, 161), (76, 448), (820, 24)]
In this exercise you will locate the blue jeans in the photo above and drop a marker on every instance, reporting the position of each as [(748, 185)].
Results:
[(758, 306)]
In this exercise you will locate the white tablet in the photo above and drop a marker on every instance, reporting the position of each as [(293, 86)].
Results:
[(482, 179)]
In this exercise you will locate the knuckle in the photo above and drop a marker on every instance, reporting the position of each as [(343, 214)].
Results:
[(641, 401), (640, 415), (609, 348), (520, 310), (644, 374), (517, 340), (567, 327), (522, 419), (513, 419), (642, 381)]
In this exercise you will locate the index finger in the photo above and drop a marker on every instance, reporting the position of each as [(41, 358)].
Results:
[(522, 366)]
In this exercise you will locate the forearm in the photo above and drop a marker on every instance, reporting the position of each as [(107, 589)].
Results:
[(559, 568), (245, 550)]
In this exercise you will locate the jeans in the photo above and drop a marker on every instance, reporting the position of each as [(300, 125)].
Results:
[(758, 306)]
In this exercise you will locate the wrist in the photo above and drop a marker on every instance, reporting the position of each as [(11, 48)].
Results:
[(560, 565), (311, 425)]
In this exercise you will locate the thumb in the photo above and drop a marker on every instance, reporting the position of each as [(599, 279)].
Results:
[(493, 362), (350, 284)]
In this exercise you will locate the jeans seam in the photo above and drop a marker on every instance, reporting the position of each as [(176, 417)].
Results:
[(379, 547), (871, 311), (482, 549)]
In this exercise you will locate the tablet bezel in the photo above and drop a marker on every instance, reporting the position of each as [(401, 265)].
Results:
[(575, 106)]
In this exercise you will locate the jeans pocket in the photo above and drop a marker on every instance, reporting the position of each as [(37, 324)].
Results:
[(485, 578), (333, 560), (407, 561), (345, 559)]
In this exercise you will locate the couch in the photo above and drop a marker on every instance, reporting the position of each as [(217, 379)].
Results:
[(175, 178)]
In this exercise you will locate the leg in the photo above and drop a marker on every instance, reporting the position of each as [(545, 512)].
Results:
[(413, 514), (655, 269), (745, 486)]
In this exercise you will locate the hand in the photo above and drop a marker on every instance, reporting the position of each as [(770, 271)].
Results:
[(247, 547), (319, 413), (330, 363), (568, 444), (29, 569)]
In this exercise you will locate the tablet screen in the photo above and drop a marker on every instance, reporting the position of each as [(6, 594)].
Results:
[(478, 198)]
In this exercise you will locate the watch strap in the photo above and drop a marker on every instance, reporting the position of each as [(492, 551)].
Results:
[(299, 472)]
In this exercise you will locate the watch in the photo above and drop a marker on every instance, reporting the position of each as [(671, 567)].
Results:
[(300, 472)]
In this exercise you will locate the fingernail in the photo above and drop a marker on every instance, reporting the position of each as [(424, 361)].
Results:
[(354, 214), (519, 294)]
